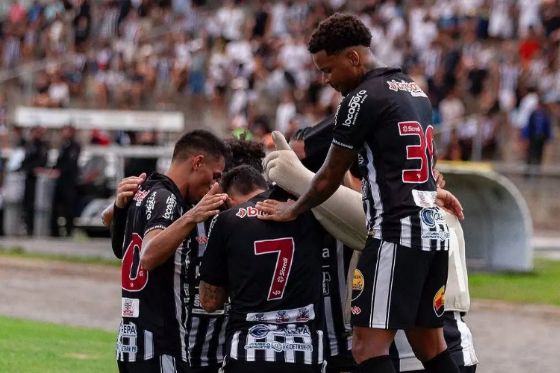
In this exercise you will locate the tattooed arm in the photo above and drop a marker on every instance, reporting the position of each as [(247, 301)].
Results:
[(211, 297)]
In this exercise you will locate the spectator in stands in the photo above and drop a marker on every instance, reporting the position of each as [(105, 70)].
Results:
[(153, 54)]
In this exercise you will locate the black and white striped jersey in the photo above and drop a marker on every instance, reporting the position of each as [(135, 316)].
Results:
[(272, 272), (206, 332), (387, 120), (335, 262), (152, 302)]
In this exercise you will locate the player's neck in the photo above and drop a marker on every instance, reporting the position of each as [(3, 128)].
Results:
[(373, 63), (180, 179)]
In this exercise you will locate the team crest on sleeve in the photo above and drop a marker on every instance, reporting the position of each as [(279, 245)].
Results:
[(404, 86)]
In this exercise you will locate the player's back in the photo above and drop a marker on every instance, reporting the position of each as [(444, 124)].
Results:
[(387, 119), (274, 282)]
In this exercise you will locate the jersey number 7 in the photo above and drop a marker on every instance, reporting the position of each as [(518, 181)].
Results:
[(423, 151), (285, 249)]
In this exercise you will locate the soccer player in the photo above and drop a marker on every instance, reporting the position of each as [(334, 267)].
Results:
[(154, 253), (272, 274), (206, 331), (384, 122), (283, 167), (204, 340), (312, 144)]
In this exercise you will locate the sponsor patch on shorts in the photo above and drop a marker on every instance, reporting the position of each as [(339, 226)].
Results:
[(439, 301), (357, 284)]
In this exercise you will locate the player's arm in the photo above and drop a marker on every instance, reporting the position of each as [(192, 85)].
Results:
[(323, 185), (213, 268), (212, 297), (354, 118), (114, 215), (160, 242), (341, 215)]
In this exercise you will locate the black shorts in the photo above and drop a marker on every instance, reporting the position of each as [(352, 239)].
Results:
[(240, 366), (341, 363), (397, 287), (159, 364)]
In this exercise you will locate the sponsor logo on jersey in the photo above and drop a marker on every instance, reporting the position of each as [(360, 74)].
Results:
[(150, 204), (404, 86), (170, 204), (439, 301), (139, 196), (354, 107), (249, 212), (424, 198), (126, 348), (262, 330), (130, 307), (431, 217), (434, 220), (357, 284), (355, 310), (128, 330), (302, 314), (202, 240), (279, 346), (326, 284)]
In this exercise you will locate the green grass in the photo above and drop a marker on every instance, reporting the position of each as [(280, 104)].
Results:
[(20, 253), (36, 347), (541, 286)]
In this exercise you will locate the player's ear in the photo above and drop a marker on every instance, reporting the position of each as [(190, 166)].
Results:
[(353, 56), (196, 161)]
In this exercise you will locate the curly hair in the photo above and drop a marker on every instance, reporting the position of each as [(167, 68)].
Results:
[(245, 152), (338, 32)]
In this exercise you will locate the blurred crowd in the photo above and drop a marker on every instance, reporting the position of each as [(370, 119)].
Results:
[(487, 65)]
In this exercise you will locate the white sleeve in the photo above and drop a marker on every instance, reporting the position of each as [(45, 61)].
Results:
[(342, 215)]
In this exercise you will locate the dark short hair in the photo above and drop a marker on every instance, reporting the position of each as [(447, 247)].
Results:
[(245, 152), (199, 141), (338, 32), (243, 179)]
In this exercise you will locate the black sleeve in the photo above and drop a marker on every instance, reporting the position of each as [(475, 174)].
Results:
[(117, 227), (354, 117), (213, 269), (161, 210)]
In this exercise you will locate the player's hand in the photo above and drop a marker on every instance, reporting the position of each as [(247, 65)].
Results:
[(440, 180), (447, 201), (276, 210), (127, 188), (208, 206)]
